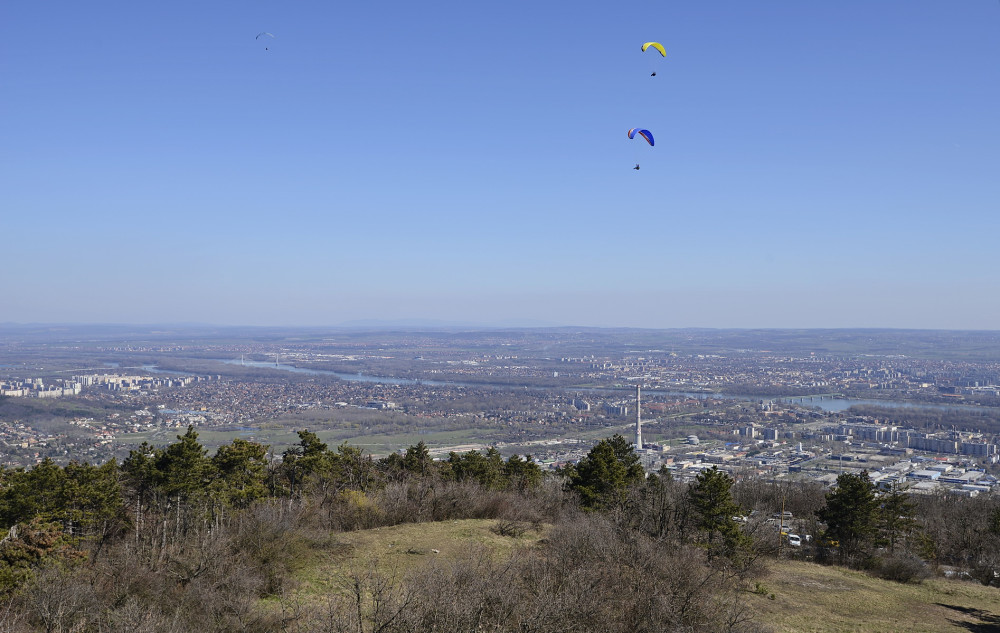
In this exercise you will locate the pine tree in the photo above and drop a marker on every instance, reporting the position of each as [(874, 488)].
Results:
[(310, 457), (603, 476), (241, 469), (896, 520), (714, 509), (522, 474), (185, 468), (851, 516), (417, 459), (486, 470)]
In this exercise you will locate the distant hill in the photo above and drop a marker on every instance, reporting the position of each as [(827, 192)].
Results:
[(572, 340), (380, 324)]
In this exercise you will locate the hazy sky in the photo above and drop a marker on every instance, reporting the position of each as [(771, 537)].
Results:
[(817, 164)]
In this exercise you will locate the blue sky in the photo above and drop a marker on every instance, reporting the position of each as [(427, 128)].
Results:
[(817, 164)]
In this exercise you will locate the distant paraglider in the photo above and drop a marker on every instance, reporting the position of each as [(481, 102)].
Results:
[(646, 134), (265, 35), (638, 149), (656, 46)]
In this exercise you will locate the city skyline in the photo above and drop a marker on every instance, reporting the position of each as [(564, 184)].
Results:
[(815, 166)]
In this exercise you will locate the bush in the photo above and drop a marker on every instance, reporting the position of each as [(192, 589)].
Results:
[(900, 568), (506, 527)]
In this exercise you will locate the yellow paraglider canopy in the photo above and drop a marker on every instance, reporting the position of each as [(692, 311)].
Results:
[(655, 45)]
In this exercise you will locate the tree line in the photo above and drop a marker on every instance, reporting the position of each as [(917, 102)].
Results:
[(175, 539)]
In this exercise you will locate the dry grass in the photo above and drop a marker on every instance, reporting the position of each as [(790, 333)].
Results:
[(808, 598), (401, 548), (811, 598)]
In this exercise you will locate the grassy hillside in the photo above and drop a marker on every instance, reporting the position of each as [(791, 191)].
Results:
[(811, 598), (808, 598)]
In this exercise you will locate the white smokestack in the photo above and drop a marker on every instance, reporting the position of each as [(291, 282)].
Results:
[(638, 419)]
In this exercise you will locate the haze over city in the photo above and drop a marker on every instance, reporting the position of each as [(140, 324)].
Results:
[(816, 164)]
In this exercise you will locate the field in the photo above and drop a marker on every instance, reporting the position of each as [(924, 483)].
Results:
[(807, 598)]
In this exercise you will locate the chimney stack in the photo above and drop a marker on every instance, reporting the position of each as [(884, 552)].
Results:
[(638, 420)]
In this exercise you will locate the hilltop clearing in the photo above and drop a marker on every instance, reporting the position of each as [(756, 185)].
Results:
[(807, 598)]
